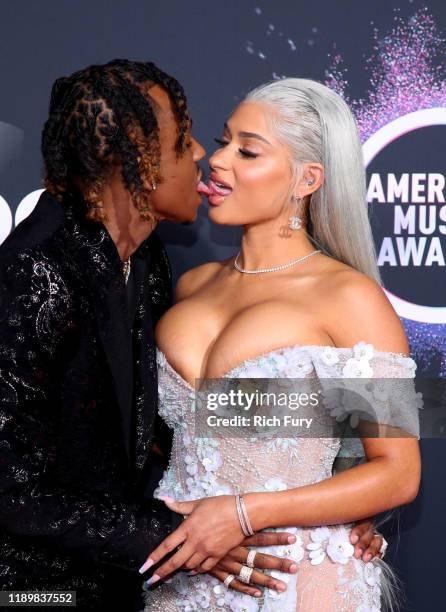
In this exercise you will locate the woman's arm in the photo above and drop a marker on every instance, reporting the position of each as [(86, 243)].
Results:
[(364, 490)]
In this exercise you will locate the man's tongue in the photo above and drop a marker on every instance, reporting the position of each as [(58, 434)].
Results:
[(216, 189), (203, 189)]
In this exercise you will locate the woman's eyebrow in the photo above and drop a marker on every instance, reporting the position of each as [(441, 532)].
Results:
[(248, 135)]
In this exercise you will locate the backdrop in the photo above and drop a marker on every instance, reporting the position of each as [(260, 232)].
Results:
[(383, 56)]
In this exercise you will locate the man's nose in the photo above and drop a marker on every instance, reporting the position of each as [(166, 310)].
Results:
[(199, 151)]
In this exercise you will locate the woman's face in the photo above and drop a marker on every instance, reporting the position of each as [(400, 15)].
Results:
[(176, 198), (250, 172)]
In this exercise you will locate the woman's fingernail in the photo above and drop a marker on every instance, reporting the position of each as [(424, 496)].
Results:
[(367, 557), (145, 566), (281, 587), (354, 538), (166, 498), (257, 593), (359, 553), (152, 580), (291, 539), (192, 573), (293, 568)]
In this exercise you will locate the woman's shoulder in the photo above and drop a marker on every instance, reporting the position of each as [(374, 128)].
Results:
[(194, 279), (358, 309)]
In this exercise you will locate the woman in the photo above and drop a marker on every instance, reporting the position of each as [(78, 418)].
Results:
[(289, 169)]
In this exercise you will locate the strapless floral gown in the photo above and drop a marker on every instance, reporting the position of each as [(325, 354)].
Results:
[(329, 578)]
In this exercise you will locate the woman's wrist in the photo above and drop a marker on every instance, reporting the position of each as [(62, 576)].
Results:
[(260, 509)]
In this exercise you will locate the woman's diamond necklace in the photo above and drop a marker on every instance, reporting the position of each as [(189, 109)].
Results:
[(275, 268)]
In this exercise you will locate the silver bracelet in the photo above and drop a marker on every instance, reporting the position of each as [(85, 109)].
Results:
[(241, 518), (245, 523), (246, 517)]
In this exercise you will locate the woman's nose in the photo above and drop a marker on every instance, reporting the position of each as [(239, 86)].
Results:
[(218, 159)]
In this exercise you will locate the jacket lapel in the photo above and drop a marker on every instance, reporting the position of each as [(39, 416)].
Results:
[(98, 258)]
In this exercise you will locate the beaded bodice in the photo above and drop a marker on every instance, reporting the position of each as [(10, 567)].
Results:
[(211, 466)]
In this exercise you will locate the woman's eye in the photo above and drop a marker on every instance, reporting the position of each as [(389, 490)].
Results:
[(243, 152), (246, 153)]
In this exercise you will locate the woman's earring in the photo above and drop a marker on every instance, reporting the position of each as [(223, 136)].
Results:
[(295, 222)]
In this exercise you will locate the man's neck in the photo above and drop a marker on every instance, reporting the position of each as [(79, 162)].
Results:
[(124, 224), (127, 239)]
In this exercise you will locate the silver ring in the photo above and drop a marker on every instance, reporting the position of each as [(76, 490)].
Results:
[(227, 581), (382, 550), (250, 558), (245, 574)]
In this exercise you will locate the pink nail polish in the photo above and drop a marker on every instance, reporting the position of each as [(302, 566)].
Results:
[(166, 498), (291, 539), (145, 566), (153, 579)]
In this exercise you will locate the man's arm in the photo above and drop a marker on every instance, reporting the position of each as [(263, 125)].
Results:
[(35, 319)]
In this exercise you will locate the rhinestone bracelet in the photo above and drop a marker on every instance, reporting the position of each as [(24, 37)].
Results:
[(245, 523)]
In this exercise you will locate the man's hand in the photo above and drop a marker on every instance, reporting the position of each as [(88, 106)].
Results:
[(367, 543), (233, 561)]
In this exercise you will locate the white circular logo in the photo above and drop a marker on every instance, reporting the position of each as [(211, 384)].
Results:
[(27, 205), (5, 219), (374, 145)]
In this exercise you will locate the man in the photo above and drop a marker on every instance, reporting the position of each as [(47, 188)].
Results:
[(83, 282)]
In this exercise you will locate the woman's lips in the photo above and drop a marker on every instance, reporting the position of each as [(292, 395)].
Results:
[(216, 193), (219, 188)]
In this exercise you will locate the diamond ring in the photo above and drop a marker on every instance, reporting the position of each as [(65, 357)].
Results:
[(245, 574), (250, 558), (227, 581)]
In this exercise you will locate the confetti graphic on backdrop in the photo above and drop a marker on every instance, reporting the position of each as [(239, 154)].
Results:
[(406, 75)]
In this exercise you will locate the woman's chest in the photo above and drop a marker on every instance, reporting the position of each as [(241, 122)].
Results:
[(208, 335)]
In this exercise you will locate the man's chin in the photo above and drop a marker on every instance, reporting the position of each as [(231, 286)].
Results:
[(190, 218)]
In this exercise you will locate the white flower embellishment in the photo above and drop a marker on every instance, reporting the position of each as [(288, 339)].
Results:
[(339, 548), (334, 543), (372, 573), (319, 537), (298, 366), (329, 355), (363, 350), (357, 368), (242, 603)]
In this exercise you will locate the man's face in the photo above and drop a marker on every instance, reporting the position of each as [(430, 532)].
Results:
[(176, 198)]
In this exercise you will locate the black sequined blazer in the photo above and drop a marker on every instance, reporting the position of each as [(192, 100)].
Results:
[(78, 397)]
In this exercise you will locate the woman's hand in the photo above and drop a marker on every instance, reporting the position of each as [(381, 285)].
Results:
[(210, 531)]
